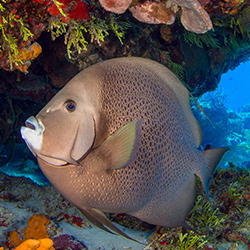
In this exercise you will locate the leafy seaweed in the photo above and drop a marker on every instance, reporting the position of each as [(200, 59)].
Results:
[(200, 40)]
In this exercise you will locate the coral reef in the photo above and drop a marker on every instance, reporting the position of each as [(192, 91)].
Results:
[(88, 31), (22, 22), (193, 16)]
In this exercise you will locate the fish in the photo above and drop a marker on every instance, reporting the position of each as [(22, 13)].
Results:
[(121, 137)]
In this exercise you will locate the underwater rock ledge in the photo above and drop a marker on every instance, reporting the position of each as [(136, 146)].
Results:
[(92, 34)]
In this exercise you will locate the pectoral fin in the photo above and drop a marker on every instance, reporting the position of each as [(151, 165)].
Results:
[(99, 219), (120, 148)]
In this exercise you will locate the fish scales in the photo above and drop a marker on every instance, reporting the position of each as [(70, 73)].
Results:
[(166, 138), (131, 143)]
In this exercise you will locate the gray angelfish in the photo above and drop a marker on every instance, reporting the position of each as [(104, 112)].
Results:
[(120, 137)]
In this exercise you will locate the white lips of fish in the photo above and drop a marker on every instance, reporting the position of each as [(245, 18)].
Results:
[(33, 133)]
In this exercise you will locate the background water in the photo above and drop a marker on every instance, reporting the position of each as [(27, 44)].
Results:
[(236, 86), (228, 108)]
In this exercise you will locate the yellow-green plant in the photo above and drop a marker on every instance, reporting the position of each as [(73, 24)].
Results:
[(98, 29), (191, 239), (56, 27), (178, 240), (75, 32), (2, 9), (9, 41), (75, 39), (178, 69), (58, 5), (118, 28), (237, 23), (208, 217), (233, 190)]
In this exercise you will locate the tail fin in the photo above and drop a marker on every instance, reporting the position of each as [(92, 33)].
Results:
[(212, 158)]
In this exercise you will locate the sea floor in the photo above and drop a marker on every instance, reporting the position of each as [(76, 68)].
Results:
[(20, 198), (223, 223)]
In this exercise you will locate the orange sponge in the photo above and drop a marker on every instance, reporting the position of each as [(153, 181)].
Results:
[(14, 239), (36, 230), (37, 227), (31, 244)]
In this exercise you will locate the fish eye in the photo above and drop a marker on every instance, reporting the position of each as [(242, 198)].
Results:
[(70, 106)]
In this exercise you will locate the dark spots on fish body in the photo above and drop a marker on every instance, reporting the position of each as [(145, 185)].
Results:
[(128, 96)]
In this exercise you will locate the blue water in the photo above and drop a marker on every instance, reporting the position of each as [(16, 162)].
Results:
[(228, 108), (235, 85)]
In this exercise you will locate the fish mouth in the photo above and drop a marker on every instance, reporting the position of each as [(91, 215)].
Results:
[(34, 124), (28, 124), (32, 133)]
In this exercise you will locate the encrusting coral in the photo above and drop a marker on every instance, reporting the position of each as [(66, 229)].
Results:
[(31, 244), (193, 16), (154, 12), (118, 7)]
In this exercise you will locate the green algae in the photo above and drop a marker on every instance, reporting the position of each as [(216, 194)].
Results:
[(201, 40)]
